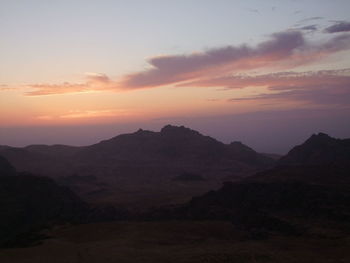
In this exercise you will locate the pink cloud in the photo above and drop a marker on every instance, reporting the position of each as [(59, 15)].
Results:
[(283, 50), (93, 82), (291, 79), (329, 87)]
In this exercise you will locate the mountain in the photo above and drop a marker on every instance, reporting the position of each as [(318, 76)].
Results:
[(319, 149), (172, 144), (29, 203), (306, 191), (283, 201), (6, 168), (43, 160), (139, 168)]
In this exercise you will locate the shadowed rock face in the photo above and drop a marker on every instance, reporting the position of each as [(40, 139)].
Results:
[(174, 146), (305, 189), (171, 144), (319, 149), (6, 168), (137, 169), (29, 203), (188, 177)]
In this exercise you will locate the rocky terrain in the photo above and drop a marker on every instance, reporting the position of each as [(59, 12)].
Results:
[(138, 169), (297, 210)]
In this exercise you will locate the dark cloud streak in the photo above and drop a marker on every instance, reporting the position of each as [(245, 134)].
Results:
[(316, 88), (342, 26)]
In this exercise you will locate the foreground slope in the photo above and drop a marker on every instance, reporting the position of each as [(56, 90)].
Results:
[(279, 199), (296, 213), (6, 168), (177, 242), (29, 203)]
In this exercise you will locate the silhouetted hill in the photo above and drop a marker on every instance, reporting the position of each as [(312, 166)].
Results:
[(276, 201), (29, 203), (171, 144), (281, 199), (319, 149), (53, 150), (327, 175), (138, 168), (6, 168), (43, 160), (248, 155)]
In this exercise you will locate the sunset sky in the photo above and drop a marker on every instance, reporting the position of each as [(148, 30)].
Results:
[(267, 73)]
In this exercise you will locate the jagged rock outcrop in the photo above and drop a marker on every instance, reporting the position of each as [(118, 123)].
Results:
[(319, 149)]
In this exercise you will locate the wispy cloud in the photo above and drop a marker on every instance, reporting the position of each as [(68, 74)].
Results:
[(293, 79), (5, 87), (281, 51), (309, 28), (330, 87), (340, 26), (93, 82), (86, 114), (305, 20), (93, 114)]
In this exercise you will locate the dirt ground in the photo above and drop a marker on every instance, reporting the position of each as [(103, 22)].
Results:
[(177, 241)]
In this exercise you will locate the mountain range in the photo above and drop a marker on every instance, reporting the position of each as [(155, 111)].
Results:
[(310, 183), (172, 146), (140, 167)]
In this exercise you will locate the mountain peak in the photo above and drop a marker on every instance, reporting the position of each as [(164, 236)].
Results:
[(319, 149), (142, 132), (171, 129), (320, 136)]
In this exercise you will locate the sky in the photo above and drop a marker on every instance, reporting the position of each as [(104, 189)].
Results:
[(267, 73)]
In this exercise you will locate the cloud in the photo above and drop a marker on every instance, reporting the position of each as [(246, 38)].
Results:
[(309, 28), (93, 82), (310, 19), (86, 114), (341, 26), (171, 69), (92, 114), (277, 79), (5, 87), (329, 87), (283, 50)]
